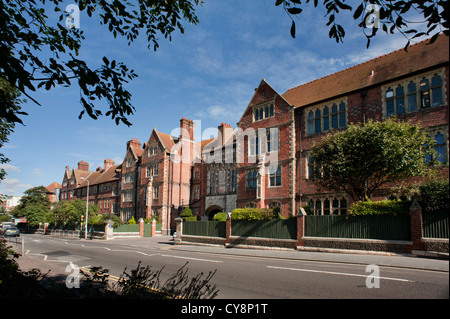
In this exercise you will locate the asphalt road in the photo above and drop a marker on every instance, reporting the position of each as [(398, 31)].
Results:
[(252, 274)]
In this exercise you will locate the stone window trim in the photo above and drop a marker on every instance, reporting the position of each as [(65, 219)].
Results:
[(443, 130), (263, 111), (325, 119), (416, 80), (332, 204)]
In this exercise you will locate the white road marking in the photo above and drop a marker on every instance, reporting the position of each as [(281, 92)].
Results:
[(337, 273), (191, 258)]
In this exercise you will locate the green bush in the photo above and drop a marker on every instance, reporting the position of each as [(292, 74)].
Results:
[(132, 221), (220, 217), (187, 214), (384, 207), (253, 214), (435, 196)]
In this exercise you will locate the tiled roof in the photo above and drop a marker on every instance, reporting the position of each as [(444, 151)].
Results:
[(102, 176), (387, 67), (53, 186), (167, 140)]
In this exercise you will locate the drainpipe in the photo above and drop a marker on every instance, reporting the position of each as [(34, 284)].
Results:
[(363, 97)]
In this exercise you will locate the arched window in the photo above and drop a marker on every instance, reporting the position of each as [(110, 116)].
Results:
[(310, 122), (400, 100), (334, 116), (326, 119), (439, 146), (318, 127), (436, 90), (425, 93), (412, 97), (390, 102), (326, 207)]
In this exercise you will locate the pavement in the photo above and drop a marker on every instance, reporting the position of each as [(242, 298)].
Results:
[(353, 257)]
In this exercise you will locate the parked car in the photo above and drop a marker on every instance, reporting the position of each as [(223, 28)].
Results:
[(10, 231)]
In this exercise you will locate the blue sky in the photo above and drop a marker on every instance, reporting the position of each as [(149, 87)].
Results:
[(207, 74)]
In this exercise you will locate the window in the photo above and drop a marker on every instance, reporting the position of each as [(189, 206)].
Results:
[(263, 112), (252, 178), (318, 127), (328, 206), (272, 140), (233, 180), (439, 147), (400, 100), (310, 122), (334, 116), (152, 170), (326, 121), (412, 99), (424, 93), (155, 192), (413, 94), (436, 90), (254, 145), (389, 102), (275, 178), (129, 162)]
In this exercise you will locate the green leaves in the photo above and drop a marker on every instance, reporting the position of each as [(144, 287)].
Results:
[(24, 30), (387, 15), (361, 159)]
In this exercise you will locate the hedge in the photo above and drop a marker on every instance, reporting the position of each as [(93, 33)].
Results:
[(384, 207), (435, 196), (253, 214)]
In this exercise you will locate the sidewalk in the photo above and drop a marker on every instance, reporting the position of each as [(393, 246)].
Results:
[(354, 257)]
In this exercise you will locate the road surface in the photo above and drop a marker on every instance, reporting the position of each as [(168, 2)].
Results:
[(252, 274)]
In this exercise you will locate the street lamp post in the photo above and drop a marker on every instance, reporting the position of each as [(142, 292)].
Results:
[(87, 208)]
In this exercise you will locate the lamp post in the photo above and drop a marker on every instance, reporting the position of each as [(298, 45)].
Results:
[(87, 207)]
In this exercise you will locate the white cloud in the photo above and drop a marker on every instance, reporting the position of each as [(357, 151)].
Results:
[(9, 168), (12, 186)]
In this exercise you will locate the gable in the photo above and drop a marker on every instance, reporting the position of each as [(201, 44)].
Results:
[(264, 98)]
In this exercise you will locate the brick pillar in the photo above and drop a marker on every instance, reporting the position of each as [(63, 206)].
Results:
[(415, 212), (153, 228), (301, 227), (141, 227), (228, 229), (177, 239)]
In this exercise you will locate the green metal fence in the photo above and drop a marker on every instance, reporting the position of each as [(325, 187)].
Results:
[(274, 228), (131, 228), (435, 224), (204, 228), (362, 227)]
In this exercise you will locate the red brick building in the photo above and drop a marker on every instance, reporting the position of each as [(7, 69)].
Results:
[(412, 85), (265, 162)]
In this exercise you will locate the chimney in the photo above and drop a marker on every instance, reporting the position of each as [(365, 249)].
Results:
[(134, 143), (187, 129), (83, 166), (225, 132), (67, 168), (108, 163)]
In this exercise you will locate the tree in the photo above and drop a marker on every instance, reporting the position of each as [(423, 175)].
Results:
[(34, 205), (390, 15), (363, 158), (25, 31), (11, 96)]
